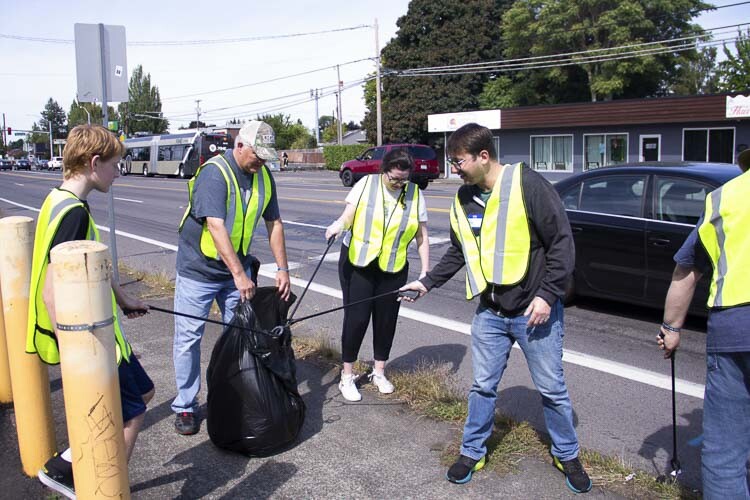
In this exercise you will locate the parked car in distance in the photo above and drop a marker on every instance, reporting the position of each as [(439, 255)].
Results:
[(6, 164), (23, 164), (273, 166), (55, 163), (629, 221), (425, 164), (41, 164)]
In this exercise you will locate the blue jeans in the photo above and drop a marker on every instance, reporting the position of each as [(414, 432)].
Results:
[(492, 336), (195, 298), (726, 426)]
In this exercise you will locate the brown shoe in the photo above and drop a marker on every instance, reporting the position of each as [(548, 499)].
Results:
[(186, 424)]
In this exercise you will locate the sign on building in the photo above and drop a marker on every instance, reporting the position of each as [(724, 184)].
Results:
[(448, 122), (738, 107)]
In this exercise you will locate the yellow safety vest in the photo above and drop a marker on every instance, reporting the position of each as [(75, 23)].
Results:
[(40, 334), (374, 237), (500, 255), (239, 224), (725, 234)]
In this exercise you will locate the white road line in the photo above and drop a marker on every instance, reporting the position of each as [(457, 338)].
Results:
[(128, 199), (292, 223), (18, 184), (615, 368)]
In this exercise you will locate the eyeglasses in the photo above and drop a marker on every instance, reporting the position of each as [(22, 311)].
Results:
[(396, 180), (456, 162)]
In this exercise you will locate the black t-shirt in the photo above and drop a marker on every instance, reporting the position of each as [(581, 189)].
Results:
[(73, 226)]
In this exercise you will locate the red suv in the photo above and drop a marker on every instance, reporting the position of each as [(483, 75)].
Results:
[(425, 164)]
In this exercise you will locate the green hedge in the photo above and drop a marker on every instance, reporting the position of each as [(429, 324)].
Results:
[(336, 155)]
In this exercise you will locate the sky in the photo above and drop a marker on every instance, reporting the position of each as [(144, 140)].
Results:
[(32, 71)]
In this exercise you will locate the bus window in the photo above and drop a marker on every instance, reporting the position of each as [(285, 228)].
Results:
[(141, 154), (214, 144), (165, 153)]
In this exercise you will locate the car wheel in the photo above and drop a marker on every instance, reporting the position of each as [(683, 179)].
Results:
[(570, 290), (347, 178), (145, 171)]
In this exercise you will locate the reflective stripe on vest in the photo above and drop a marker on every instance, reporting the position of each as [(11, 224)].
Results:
[(501, 253), (40, 334), (375, 238), (240, 224), (725, 236)]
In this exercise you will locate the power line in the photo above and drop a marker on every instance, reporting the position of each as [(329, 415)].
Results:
[(245, 85), (214, 41)]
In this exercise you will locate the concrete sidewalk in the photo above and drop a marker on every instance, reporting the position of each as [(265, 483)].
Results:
[(376, 448)]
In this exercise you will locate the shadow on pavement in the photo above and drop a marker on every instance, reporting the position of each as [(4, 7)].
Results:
[(452, 354)]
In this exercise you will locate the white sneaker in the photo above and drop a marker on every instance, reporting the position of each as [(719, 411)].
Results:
[(348, 388), (383, 384)]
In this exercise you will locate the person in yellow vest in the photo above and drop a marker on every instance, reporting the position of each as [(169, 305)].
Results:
[(228, 197), (510, 230), (719, 246), (90, 162), (384, 213)]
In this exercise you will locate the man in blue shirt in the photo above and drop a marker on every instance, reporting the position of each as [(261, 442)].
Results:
[(719, 246), (228, 196)]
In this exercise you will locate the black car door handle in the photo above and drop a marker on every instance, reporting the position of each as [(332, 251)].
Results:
[(576, 229), (659, 242)]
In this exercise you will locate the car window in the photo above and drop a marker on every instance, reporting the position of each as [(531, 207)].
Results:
[(570, 197), (680, 200), (367, 155), (378, 153), (421, 153), (614, 194)]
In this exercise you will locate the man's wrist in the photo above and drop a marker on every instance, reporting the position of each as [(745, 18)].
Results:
[(669, 328), (282, 269)]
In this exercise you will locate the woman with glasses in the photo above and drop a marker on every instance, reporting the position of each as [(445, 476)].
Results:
[(384, 213)]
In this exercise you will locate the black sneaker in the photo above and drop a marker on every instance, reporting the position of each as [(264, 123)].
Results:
[(186, 424), (57, 474), (575, 476), (461, 471)]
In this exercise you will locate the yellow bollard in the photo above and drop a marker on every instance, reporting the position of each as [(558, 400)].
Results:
[(29, 377), (83, 309), (6, 391)]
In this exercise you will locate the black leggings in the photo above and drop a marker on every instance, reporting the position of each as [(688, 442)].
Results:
[(359, 283)]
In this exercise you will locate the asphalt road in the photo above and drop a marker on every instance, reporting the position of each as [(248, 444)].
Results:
[(619, 382)]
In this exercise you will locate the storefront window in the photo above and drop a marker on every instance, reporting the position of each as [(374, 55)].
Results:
[(552, 152), (604, 149)]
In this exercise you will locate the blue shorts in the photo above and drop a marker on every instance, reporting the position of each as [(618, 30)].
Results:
[(134, 383)]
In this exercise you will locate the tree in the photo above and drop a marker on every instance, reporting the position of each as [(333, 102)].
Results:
[(77, 113), (53, 113), (142, 112), (697, 75), (289, 135), (734, 71), (541, 28), (435, 33)]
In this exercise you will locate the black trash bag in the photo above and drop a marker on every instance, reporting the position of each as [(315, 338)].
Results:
[(254, 407)]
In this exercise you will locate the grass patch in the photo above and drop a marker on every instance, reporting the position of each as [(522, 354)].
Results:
[(431, 390), (156, 285)]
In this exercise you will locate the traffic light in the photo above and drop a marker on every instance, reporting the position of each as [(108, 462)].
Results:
[(10, 131)]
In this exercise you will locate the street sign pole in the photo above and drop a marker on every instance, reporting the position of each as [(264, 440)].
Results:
[(105, 122)]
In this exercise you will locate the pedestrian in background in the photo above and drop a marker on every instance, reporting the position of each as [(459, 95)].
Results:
[(719, 246), (228, 196), (510, 230), (90, 163), (384, 213)]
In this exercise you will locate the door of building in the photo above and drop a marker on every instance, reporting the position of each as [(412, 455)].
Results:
[(650, 148)]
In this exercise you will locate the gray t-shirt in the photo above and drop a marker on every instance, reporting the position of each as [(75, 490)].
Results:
[(210, 200)]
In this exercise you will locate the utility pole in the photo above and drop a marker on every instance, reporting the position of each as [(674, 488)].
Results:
[(5, 137), (379, 115), (198, 113), (338, 104), (51, 151), (314, 95)]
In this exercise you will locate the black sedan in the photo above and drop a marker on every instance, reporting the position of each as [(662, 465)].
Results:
[(629, 221), (23, 165), (6, 164)]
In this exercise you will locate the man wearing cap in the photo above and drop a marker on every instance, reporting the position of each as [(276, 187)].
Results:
[(719, 246), (227, 198)]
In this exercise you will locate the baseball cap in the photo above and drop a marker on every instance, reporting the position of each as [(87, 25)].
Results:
[(260, 136), (743, 160)]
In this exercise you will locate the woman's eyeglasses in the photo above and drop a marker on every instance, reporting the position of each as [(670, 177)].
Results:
[(396, 180)]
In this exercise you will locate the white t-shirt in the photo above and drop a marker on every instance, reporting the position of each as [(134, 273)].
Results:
[(390, 200)]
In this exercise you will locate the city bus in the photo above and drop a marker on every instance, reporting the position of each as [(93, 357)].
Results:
[(177, 155)]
